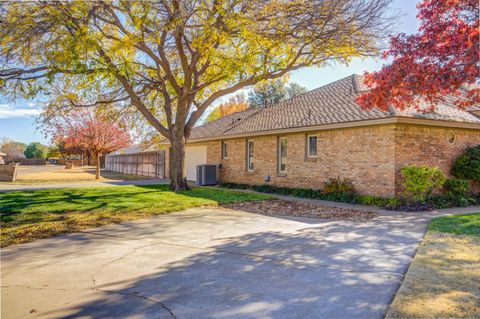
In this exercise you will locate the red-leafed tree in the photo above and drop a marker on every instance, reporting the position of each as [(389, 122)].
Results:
[(91, 132), (441, 59)]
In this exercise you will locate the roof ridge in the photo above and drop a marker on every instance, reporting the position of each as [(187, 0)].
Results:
[(327, 85)]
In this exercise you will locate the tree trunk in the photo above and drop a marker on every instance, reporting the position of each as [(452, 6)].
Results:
[(97, 169), (178, 180)]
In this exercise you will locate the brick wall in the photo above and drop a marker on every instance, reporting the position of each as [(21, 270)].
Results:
[(369, 156), (427, 145), (363, 155)]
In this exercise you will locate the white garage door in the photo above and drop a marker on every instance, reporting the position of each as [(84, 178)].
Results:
[(194, 155)]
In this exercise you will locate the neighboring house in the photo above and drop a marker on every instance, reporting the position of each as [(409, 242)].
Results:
[(2, 158), (323, 134)]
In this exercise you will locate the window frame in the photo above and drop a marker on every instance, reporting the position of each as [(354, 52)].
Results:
[(248, 161), (451, 137), (279, 155), (224, 150), (308, 146)]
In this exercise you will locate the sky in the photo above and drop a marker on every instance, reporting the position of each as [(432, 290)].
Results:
[(18, 121)]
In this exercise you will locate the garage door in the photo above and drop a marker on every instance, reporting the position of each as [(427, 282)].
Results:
[(194, 155)]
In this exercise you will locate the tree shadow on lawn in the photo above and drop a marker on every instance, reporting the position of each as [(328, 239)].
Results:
[(15, 203), (29, 215), (335, 270)]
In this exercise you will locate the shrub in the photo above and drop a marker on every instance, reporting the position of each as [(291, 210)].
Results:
[(467, 165), (437, 201), (338, 185), (459, 187), (421, 181), (450, 200)]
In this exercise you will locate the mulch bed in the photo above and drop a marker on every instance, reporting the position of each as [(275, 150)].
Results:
[(279, 207)]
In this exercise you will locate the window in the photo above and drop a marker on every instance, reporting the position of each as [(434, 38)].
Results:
[(250, 156), (312, 146), (282, 154), (224, 150), (452, 137)]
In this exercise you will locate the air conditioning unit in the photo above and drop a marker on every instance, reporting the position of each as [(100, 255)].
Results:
[(207, 175)]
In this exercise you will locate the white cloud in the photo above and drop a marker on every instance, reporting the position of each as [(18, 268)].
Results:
[(6, 113), (29, 109)]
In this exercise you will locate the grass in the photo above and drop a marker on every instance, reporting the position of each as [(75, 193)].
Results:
[(58, 174), (28, 215), (459, 225), (442, 281)]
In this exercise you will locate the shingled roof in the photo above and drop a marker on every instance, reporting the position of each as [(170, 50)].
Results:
[(333, 103)]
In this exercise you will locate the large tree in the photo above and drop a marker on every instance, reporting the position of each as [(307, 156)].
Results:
[(441, 59), (170, 60), (92, 132)]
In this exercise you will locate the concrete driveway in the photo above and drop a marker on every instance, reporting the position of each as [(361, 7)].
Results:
[(213, 263)]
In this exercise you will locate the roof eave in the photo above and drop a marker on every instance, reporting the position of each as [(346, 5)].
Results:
[(322, 127)]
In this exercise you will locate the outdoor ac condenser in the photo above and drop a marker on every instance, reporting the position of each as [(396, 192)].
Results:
[(207, 175)]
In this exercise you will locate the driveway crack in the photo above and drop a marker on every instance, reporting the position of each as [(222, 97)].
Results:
[(132, 251), (164, 306)]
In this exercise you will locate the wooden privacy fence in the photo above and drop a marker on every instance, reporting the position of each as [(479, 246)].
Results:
[(33, 161), (145, 164)]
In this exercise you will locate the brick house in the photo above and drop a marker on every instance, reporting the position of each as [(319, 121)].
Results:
[(322, 134)]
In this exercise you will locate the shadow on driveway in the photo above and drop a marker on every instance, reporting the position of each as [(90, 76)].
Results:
[(294, 270)]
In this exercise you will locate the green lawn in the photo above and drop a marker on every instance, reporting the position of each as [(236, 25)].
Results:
[(468, 224), (28, 215)]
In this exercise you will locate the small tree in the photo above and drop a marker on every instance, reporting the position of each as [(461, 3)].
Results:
[(93, 132), (36, 150), (421, 181)]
